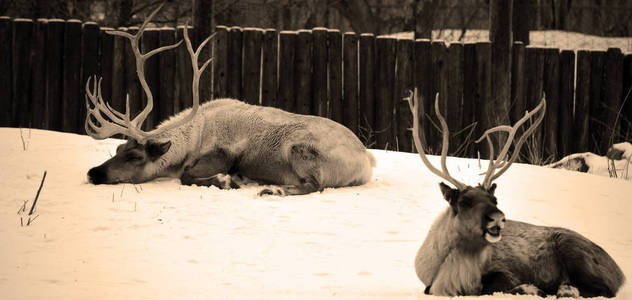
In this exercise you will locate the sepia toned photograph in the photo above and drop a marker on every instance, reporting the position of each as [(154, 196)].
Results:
[(315, 149)]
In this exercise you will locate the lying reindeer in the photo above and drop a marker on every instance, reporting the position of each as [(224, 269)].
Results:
[(208, 143), (471, 249)]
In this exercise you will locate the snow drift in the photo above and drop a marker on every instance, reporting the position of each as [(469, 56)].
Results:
[(161, 240)]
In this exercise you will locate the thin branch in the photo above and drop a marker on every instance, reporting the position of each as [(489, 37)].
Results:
[(37, 195)]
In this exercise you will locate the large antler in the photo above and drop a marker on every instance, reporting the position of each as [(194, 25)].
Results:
[(413, 103), (117, 122), (500, 161)]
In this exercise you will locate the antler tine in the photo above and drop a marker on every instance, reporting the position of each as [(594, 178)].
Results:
[(413, 104), (137, 122), (117, 123), (501, 161), (197, 73)]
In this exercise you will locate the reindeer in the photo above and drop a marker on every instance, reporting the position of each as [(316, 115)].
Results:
[(221, 140), (471, 249)]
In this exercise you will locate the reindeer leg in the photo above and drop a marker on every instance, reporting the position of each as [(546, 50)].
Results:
[(305, 161), (210, 169)]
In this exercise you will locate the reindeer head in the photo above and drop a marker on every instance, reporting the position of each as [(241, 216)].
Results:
[(137, 160), (474, 209), (131, 164)]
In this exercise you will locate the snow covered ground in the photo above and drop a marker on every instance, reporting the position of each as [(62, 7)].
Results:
[(161, 240)]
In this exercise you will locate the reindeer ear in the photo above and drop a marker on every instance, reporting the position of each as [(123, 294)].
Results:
[(492, 189), (449, 193), (156, 150)]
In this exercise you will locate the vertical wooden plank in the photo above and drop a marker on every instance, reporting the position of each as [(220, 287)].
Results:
[(440, 85), (567, 81), (270, 68), (38, 74), (424, 79), (6, 78), (518, 101), (287, 52), (597, 113), (167, 66), (334, 37), (184, 73), (106, 63), (551, 88), (500, 33), (469, 96), (118, 70), (71, 71), (534, 61), (235, 39), (54, 61), (220, 63), (303, 72), (367, 89), (22, 31), (350, 81), (90, 36), (385, 57), (403, 85), (252, 64), (581, 119), (483, 95), (626, 92), (458, 140), (319, 100), (148, 42), (613, 82)]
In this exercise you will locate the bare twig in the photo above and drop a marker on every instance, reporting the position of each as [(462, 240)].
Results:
[(37, 195)]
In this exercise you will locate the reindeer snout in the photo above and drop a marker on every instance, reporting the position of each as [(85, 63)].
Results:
[(495, 220), (97, 175), (495, 223)]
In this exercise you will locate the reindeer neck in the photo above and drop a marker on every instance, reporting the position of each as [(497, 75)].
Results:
[(443, 247)]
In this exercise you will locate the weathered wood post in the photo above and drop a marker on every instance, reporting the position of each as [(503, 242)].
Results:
[(90, 38), (350, 87), (319, 76), (220, 71), (21, 109), (184, 74), (269, 69), (287, 52), (334, 38), (38, 75), (500, 34), (303, 83), (581, 121), (253, 38), (167, 67), (567, 80), (235, 39), (6, 48), (367, 88), (385, 49), (403, 84)]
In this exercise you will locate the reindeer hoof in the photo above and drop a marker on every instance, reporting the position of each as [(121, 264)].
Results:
[(528, 289), (273, 191), (566, 290)]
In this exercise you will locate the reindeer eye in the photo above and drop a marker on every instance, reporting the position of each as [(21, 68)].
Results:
[(132, 157), (466, 202)]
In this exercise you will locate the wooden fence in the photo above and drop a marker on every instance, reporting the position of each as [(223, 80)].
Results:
[(357, 80)]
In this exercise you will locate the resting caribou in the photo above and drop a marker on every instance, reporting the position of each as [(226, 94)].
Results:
[(210, 143), (471, 249)]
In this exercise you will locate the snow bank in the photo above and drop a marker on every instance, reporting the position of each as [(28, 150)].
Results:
[(161, 240)]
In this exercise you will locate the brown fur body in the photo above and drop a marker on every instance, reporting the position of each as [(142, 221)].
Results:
[(300, 153), (455, 259)]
